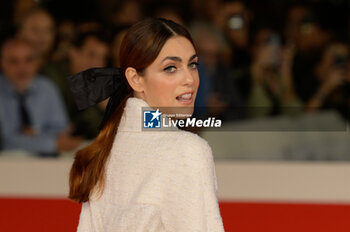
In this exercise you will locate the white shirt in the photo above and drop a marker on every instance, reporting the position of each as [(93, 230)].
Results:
[(155, 181)]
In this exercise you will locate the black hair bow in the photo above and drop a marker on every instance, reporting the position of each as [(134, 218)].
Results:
[(97, 84)]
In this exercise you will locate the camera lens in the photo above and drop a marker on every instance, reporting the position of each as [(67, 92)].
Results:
[(235, 22)]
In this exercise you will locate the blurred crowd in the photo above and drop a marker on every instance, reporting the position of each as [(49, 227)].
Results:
[(257, 59)]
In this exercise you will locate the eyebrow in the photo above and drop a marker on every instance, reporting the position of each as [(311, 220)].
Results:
[(178, 59)]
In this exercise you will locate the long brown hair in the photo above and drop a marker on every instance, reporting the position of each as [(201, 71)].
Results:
[(139, 48)]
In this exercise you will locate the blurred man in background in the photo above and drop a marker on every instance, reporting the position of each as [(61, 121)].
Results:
[(32, 115), (89, 50), (37, 27), (235, 22), (309, 39)]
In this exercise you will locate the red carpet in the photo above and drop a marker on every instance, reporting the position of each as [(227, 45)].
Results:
[(59, 215)]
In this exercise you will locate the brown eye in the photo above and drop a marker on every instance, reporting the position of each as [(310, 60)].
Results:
[(170, 69), (193, 65)]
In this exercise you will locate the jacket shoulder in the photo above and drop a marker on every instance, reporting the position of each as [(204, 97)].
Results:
[(193, 148), (193, 140)]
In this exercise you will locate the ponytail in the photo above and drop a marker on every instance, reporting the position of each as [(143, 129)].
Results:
[(89, 164)]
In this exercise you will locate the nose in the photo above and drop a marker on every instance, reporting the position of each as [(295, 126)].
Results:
[(189, 77)]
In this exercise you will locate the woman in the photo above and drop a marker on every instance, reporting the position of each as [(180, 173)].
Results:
[(134, 180)]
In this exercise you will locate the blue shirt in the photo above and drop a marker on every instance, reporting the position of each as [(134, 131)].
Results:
[(46, 111)]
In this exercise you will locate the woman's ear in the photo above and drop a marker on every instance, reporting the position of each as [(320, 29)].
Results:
[(134, 79)]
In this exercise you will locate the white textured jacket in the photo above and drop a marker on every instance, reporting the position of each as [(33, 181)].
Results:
[(155, 181)]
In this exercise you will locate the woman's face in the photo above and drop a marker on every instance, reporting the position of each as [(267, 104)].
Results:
[(172, 79)]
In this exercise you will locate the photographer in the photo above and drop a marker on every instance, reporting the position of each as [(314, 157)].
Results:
[(235, 20), (333, 76), (272, 89)]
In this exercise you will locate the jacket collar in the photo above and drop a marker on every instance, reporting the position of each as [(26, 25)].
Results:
[(132, 118)]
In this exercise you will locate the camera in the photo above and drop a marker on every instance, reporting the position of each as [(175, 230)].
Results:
[(340, 60), (273, 39), (236, 22)]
